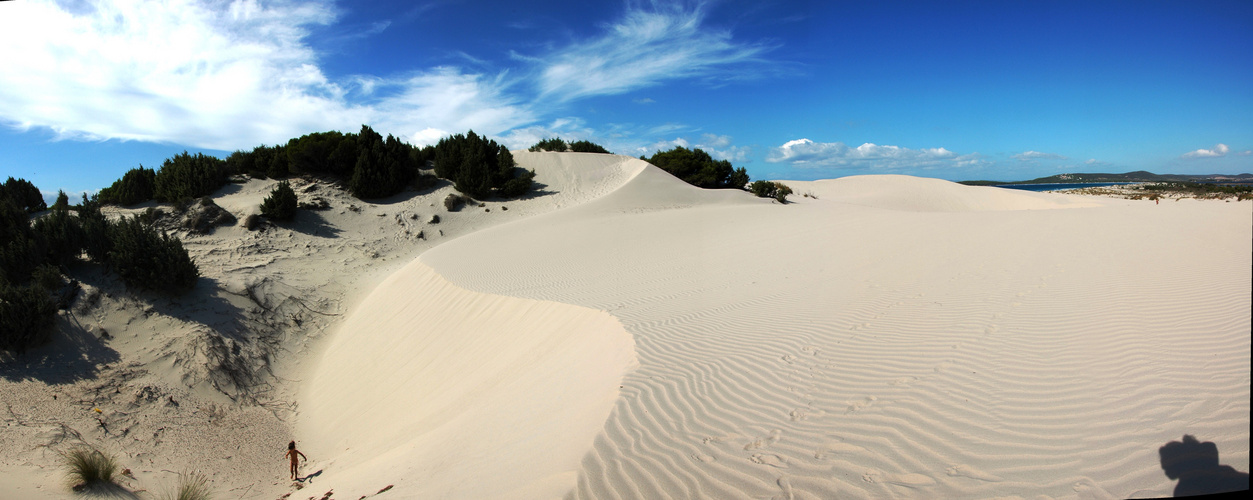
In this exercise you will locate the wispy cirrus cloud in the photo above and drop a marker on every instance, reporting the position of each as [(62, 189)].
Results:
[(227, 75), (1218, 151), (1036, 155), (807, 153), (645, 48), (214, 76), (719, 147)]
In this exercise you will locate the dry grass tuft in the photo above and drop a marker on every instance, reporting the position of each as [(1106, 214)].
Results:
[(87, 466), (191, 486)]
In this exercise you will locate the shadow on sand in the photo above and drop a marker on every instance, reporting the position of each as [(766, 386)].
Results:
[(311, 223), (106, 490), (72, 354), (1195, 465)]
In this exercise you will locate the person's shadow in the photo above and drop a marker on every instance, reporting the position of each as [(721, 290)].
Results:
[(1195, 465)]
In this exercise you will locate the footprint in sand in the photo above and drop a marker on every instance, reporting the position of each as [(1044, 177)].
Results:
[(909, 480), (811, 350), (769, 459), (785, 490), (836, 448), (764, 441), (789, 359), (701, 457), (972, 473), (804, 413), (720, 439), (904, 380), (860, 405)]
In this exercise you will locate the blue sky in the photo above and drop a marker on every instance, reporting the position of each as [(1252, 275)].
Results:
[(790, 90)]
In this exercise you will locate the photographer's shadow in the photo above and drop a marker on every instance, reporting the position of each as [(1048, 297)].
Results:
[(1195, 465)]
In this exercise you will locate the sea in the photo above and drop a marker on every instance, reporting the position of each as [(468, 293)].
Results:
[(1061, 186)]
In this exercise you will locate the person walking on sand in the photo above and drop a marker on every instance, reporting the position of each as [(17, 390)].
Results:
[(292, 452)]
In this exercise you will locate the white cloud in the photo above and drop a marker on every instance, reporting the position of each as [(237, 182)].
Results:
[(1246, 152), (568, 129), (231, 74), (446, 99), (643, 49), (663, 145), (1036, 155), (807, 153), (971, 160), (720, 147), (214, 76), (1220, 150)]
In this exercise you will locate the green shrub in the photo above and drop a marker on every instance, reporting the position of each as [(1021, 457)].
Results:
[(24, 195), (86, 466), (186, 177), (136, 186), (587, 147), (60, 236), (281, 204), (699, 169), (145, 259), (63, 201), (95, 229), (478, 166), (555, 145), (27, 314), (20, 251), (781, 191), (768, 189), (518, 186), (383, 168)]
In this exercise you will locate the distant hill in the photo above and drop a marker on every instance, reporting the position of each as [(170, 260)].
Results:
[(1137, 176)]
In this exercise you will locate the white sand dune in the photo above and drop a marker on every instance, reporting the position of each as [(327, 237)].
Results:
[(918, 194), (896, 337), (435, 389), (622, 334)]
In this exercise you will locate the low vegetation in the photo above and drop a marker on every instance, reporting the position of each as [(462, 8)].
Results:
[(136, 186), (281, 203), (23, 195), (480, 167), (191, 486), (697, 168), (88, 466), (34, 255), (1198, 190), (769, 189), (145, 259), (187, 176), (553, 145), (557, 145)]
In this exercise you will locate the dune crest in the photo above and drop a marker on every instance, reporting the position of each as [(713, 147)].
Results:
[(434, 388), (920, 194)]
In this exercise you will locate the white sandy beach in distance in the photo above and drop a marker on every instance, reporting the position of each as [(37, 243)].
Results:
[(625, 335)]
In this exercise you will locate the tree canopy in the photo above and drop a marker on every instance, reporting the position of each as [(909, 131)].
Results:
[(697, 168), (480, 167), (557, 145)]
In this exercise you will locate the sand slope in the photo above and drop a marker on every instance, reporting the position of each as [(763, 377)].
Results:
[(435, 388), (945, 342), (208, 381), (894, 337)]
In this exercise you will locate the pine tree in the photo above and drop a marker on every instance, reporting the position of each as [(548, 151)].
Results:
[(281, 203)]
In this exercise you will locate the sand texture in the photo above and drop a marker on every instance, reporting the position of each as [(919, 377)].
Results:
[(621, 334)]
